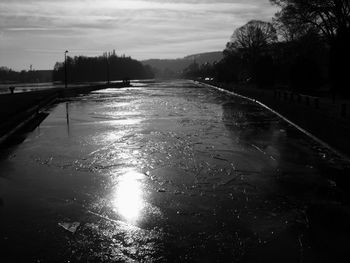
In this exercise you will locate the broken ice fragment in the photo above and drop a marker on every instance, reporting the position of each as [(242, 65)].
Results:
[(71, 227)]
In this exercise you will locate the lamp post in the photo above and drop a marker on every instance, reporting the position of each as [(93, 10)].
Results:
[(107, 63), (65, 69)]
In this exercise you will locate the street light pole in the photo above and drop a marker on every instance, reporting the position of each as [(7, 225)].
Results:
[(107, 60), (65, 69)]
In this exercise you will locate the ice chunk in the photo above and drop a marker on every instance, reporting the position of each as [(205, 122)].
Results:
[(71, 227)]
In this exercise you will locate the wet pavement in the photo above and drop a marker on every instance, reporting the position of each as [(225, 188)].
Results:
[(170, 172)]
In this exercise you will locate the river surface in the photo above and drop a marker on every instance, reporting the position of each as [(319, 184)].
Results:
[(168, 172)]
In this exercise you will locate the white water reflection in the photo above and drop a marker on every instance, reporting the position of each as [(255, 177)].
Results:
[(128, 197)]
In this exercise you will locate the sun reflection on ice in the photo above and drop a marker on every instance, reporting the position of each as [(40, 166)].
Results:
[(128, 197)]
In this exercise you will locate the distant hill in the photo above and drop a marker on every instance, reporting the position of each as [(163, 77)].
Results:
[(206, 57), (174, 67)]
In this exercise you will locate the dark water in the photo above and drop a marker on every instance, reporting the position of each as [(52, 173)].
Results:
[(169, 172)]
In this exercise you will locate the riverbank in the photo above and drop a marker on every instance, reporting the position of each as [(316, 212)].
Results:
[(19, 109), (319, 116)]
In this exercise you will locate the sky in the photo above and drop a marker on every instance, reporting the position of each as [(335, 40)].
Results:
[(37, 32)]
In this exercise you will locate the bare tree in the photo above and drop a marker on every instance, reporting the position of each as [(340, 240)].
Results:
[(247, 51), (288, 27), (330, 17), (253, 37)]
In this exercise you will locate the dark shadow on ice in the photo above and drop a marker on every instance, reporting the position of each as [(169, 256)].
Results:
[(17, 138)]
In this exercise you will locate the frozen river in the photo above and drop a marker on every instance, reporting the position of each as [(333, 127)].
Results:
[(166, 172)]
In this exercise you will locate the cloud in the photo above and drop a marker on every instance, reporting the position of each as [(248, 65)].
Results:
[(140, 28)]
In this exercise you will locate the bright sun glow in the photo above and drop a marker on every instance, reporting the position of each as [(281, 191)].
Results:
[(128, 199)]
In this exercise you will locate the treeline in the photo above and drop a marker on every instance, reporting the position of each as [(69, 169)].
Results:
[(304, 47), (31, 76), (102, 68)]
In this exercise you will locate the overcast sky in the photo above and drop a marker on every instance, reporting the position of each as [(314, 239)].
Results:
[(37, 32)]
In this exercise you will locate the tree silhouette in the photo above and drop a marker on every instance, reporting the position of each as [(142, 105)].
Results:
[(249, 48), (330, 19), (289, 27), (103, 68), (31, 76), (253, 37)]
